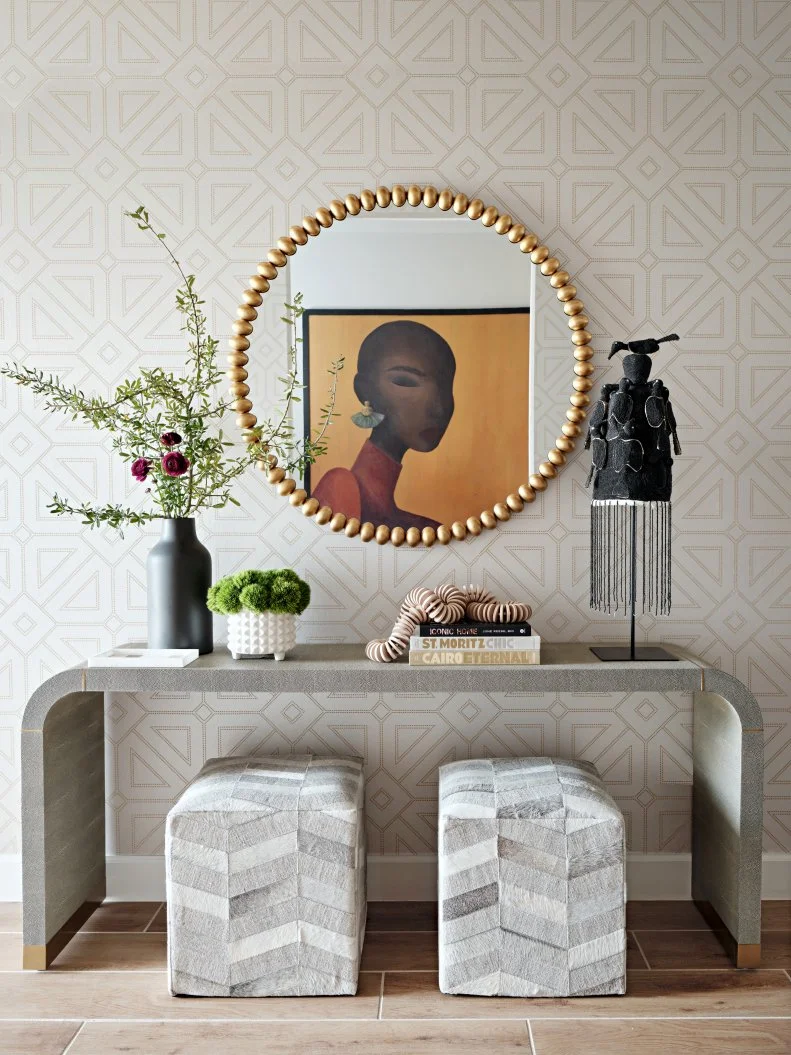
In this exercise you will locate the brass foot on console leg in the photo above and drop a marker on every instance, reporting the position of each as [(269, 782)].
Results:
[(39, 957), (748, 955), (34, 958)]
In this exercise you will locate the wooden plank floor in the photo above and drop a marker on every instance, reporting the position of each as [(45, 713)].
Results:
[(107, 995)]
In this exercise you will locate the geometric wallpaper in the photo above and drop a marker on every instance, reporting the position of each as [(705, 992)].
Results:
[(645, 141)]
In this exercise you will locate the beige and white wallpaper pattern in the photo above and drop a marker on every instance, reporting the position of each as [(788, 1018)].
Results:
[(647, 142)]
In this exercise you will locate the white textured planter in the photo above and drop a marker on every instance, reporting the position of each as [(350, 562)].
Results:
[(252, 635)]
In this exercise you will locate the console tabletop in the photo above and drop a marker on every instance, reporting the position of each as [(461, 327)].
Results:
[(344, 668)]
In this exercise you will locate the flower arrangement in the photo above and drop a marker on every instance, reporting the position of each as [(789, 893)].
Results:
[(162, 423), (280, 592)]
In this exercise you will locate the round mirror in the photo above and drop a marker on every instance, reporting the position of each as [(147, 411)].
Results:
[(459, 399)]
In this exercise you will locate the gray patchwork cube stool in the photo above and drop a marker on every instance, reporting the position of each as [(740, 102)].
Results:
[(265, 866), (531, 880)]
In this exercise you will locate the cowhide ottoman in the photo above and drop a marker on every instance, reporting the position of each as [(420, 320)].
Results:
[(265, 866), (531, 880)]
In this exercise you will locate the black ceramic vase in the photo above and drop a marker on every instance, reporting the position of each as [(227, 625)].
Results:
[(179, 576)]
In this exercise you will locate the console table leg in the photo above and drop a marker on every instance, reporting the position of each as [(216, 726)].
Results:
[(727, 819), (63, 852)]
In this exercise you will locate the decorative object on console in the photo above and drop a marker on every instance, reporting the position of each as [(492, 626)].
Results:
[(162, 424), (262, 607), (144, 657), (479, 657), (473, 643), (178, 575), (447, 604), (539, 255), (632, 437), (466, 628)]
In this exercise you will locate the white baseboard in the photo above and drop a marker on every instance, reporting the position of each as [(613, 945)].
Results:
[(413, 877)]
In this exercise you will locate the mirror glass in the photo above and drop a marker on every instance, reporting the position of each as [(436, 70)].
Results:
[(457, 366)]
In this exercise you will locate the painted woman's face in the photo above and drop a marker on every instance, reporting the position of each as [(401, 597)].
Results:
[(413, 387)]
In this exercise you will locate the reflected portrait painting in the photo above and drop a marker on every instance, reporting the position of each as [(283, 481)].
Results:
[(432, 411)]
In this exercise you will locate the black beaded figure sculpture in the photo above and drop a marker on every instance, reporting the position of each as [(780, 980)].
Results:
[(630, 434)]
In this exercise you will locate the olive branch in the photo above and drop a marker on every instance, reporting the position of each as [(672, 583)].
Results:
[(167, 425)]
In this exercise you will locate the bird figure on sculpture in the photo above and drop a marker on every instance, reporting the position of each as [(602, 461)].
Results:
[(647, 346)]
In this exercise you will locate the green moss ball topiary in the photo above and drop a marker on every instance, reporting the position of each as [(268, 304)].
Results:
[(289, 593), (248, 577), (280, 591), (223, 597), (255, 597)]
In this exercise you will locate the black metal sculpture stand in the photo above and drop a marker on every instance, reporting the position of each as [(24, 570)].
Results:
[(620, 653)]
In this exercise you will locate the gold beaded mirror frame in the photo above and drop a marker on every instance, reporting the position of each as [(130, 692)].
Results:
[(502, 224)]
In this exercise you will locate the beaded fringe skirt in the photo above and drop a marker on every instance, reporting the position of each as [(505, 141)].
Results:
[(612, 561)]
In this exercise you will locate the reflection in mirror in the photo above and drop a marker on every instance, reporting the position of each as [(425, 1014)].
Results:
[(444, 396), (457, 366)]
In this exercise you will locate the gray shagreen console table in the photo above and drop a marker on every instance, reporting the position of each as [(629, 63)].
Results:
[(63, 782)]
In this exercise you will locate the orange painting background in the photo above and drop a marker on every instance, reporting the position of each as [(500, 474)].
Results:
[(484, 454)]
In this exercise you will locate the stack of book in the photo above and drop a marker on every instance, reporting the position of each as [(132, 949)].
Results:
[(474, 644)]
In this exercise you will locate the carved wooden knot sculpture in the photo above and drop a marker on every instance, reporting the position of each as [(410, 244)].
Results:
[(447, 604)]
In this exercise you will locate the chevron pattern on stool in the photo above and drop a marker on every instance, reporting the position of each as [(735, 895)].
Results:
[(531, 880), (265, 863)]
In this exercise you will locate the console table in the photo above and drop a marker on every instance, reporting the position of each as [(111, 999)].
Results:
[(63, 780)]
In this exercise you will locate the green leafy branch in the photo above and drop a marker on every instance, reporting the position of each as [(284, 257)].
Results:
[(169, 425), (114, 516), (276, 435)]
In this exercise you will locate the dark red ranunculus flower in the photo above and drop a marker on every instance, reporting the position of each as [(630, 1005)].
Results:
[(170, 439), (174, 463), (141, 467)]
